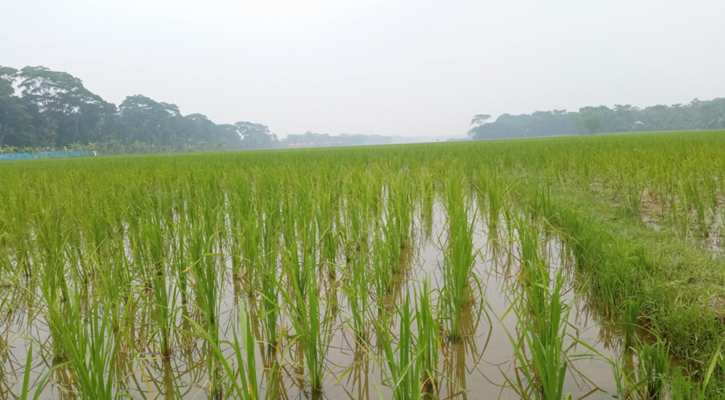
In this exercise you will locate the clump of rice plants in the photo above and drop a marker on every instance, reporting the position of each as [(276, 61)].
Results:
[(268, 270), (653, 365), (88, 343), (542, 317), (404, 362), (629, 322), (311, 325), (459, 257), (382, 262), (356, 288), (428, 340), (208, 283)]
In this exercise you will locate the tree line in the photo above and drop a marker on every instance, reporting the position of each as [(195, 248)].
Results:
[(343, 139), (42, 109), (697, 115)]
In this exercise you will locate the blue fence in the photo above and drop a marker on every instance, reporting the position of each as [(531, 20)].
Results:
[(47, 154)]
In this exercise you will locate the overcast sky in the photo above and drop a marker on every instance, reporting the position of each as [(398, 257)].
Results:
[(409, 67)]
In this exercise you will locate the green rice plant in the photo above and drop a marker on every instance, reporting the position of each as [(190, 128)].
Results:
[(404, 366), (325, 219), (208, 284), (399, 212), (90, 346), (630, 321), (53, 283), (38, 393), (459, 257), (251, 244), (163, 301), (269, 272), (427, 202), (164, 312), (695, 204), (355, 226), (491, 190), (534, 272), (242, 219), (115, 286), (542, 317), (428, 341), (269, 304), (300, 258), (652, 369), (393, 242), (634, 197), (540, 348), (394, 228), (382, 269), (208, 279), (290, 236), (240, 369), (312, 326), (355, 286), (25, 393), (180, 258)]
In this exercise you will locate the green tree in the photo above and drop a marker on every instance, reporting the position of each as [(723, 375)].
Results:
[(592, 119), (63, 110), (144, 120), (16, 125), (256, 136), (199, 128), (476, 121)]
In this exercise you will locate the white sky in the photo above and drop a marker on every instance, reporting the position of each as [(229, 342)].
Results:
[(408, 67)]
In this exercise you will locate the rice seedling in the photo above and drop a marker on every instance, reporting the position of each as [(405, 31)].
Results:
[(355, 287), (459, 257), (88, 342), (542, 317), (404, 367), (652, 369), (241, 375), (382, 269), (540, 349), (152, 261), (311, 324), (630, 322), (325, 219), (428, 340), (399, 210), (269, 272), (208, 283)]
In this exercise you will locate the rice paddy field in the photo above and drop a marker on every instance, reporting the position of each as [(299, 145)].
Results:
[(578, 267)]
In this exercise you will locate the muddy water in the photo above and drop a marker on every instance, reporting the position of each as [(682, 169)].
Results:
[(474, 368)]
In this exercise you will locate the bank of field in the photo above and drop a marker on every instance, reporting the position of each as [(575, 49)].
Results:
[(538, 269)]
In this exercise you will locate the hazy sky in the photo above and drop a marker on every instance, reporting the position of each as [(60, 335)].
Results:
[(408, 68)]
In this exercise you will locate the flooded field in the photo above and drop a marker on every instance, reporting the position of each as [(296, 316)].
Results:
[(475, 366), (406, 273)]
